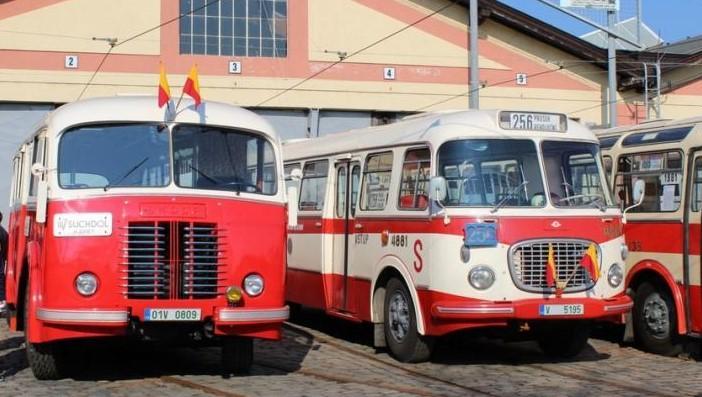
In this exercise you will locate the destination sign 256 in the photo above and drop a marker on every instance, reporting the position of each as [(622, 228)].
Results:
[(531, 121)]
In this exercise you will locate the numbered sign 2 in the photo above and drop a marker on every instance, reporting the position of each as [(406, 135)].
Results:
[(71, 62)]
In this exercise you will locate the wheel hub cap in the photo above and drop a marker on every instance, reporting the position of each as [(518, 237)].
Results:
[(398, 316), (655, 314)]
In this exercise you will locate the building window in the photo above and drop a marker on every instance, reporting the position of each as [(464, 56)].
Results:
[(250, 28)]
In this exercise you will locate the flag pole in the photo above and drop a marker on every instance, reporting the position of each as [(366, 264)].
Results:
[(178, 104)]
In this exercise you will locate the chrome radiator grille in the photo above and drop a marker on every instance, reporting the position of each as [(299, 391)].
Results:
[(528, 264), (171, 260)]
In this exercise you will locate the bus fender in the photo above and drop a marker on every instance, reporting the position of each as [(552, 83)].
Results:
[(663, 274), (393, 262), (34, 284)]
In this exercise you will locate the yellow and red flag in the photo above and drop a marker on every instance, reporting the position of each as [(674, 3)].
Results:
[(192, 86), (590, 264), (164, 90), (551, 268)]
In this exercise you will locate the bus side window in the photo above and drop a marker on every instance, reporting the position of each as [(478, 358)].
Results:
[(697, 186), (377, 176), (662, 172), (414, 182), (313, 185)]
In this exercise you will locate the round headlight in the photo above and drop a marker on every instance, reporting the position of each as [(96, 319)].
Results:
[(615, 275), (624, 250), (253, 284), (481, 277), (86, 284)]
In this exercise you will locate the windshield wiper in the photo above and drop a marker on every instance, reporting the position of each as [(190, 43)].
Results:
[(509, 195), (123, 177), (209, 178), (597, 201)]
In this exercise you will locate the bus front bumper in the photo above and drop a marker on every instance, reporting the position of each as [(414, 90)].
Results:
[(533, 309)]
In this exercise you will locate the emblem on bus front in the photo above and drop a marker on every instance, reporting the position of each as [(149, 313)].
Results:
[(83, 224)]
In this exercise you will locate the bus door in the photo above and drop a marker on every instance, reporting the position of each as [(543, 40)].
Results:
[(694, 247), (346, 193)]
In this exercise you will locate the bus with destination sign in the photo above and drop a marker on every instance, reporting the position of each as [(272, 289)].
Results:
[(457, 220), (663, 233), (133, 221)]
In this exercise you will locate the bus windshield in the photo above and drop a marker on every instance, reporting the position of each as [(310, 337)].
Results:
[(491, 173), (215, 158), (125, 155), (574, 174)]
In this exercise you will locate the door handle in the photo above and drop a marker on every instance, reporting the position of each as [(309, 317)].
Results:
[(358, 226), (318, 224)]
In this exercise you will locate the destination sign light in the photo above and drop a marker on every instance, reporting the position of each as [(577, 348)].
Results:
[(533, 121)]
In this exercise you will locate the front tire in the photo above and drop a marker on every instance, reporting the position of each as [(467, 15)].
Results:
[(564, 339), (403, 340), (46, 360), (237, 355), (655, 321)]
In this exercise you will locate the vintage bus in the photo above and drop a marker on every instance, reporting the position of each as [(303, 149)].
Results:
[(130, 220), (457, 220), (663, 233)]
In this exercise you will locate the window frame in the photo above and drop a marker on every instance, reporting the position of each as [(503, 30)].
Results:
[(664, 152), (302, 184), (416, 181), (364, 175)]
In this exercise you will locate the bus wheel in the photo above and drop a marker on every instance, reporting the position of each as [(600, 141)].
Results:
[(563, 339), (405, 343), (237, 355), (45, 359), (654, 320)]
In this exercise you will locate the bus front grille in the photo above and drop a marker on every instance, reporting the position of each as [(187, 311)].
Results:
[(172, 260), (528, 261)]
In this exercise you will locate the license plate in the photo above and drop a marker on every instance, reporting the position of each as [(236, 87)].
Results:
[(171, 314), (562, 310)]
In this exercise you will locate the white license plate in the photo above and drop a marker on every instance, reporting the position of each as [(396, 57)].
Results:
[(562, 310), (172, 314)]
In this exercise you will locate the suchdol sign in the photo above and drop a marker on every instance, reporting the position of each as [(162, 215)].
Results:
[(610, 5)]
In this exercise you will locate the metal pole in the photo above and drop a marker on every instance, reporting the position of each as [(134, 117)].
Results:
[(658, 89), (612, 70), (645, 90), (474, 101), (638, 21)]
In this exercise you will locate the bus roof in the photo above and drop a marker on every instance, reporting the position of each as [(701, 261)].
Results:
[(666, 131), (433, 128), (145, 108)]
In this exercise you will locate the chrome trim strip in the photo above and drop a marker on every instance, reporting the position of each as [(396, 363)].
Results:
[(245, 315), (475, 310), (79, 316), (614, 308)]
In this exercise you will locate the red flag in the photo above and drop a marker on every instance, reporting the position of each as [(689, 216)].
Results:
[(551, 268), (590, 264), (192, 86), (164, 90)]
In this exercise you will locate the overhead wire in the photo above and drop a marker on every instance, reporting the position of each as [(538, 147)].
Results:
[(354, 53)]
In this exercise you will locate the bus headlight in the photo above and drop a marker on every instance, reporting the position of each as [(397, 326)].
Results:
[(253, 284), (624, 250), (481, 277), (86, 284), (615, 275)]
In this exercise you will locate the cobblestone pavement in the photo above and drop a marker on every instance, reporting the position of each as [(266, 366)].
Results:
[(321, 356)]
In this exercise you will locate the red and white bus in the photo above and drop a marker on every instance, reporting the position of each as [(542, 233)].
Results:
[(663, 233), (130, 220), (457, 220)]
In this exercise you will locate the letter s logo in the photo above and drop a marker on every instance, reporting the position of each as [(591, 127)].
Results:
[(419, 263)]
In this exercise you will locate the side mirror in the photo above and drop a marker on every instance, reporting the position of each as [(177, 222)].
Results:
[(37, 169), (638, 194), (42, 200), (296, 174), (437, 188)]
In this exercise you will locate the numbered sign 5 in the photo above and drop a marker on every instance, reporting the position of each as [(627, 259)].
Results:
[(71, 62)]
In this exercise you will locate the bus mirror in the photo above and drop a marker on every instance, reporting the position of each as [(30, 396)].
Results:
[(38, 169), (437, 188), (42, 198), (296, 174), (638, 195), (292, 207)]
